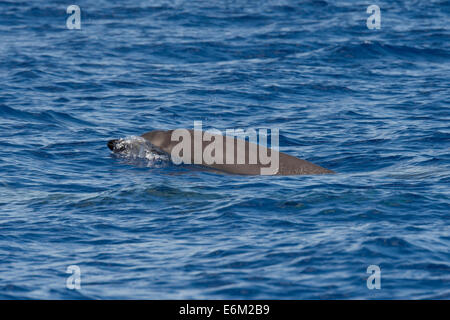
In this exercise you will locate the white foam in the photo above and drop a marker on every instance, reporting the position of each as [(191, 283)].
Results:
[(136, 148)]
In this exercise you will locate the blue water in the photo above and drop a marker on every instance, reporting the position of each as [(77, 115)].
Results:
[(372, 105)]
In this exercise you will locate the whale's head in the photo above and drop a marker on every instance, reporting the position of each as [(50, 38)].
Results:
[(133, 147), (127, 146), (115, 146)]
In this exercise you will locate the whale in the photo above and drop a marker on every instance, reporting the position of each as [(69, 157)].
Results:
[(233, 155)]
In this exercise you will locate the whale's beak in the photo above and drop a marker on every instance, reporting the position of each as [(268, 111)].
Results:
[(115, 146), (111, 144)]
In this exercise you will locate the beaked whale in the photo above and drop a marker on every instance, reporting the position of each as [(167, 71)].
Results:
[(162, 141)]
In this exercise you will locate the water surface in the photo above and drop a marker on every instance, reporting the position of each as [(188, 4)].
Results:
[(372, 105)]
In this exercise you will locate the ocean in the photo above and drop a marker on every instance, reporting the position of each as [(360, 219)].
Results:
[(370, 102)]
